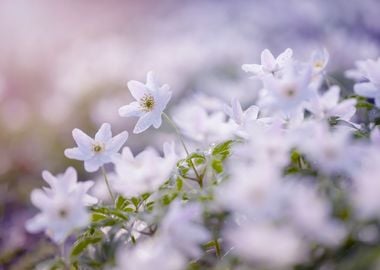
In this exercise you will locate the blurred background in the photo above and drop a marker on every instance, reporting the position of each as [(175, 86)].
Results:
[(65, 64)]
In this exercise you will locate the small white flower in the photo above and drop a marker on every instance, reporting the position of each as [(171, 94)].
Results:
[(327, 105), (319, 60), (288, 93), (370, 70), (151, 101), (143, 173), (269, 64), (182, 227), (63, 206), (98, 151)]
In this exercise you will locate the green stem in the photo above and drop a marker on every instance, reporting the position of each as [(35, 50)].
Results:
[(217, 248), (107, 183), (171, 122)]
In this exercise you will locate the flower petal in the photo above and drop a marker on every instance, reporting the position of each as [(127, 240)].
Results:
[(83, 141), (144, 123), (254, 68), (104, 133), (137, 89), (132, 109), (76, 153), (92, 165), (49, 178), (284, 57), (36, 224), (157, 122), (117, 142), (366, 90), (40, 199), (267, 60)]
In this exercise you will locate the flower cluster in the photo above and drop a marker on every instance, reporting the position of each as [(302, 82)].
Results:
[(289, 182)]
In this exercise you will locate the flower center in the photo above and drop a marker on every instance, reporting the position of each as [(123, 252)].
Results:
[(62, 213), (97, 148), (147, 103), (318, 64)]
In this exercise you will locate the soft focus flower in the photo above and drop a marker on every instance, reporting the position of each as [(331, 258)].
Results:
[(63, 206), (370, 88), (151, 101), (327, 105), (143, 173), (182, 227), (267, 245), (319, 60), (98, 151), (269, 64)]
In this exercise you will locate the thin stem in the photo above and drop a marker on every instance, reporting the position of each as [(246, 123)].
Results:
[(107, 183), (217, 248), (171, 122)]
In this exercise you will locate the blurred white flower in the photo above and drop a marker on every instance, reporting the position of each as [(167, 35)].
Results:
[(143, 173), (182, 227), (63, 206), (266, 245), (150, 254), (319, 60), (197, 124), (151, 101), (98, 151), (269, 64), (288, 93), (370, 88), (327, 105)]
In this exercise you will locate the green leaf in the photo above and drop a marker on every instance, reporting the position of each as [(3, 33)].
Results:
[(83, 242), (222, 150), (121, 202), (179, 184), (217, 165)]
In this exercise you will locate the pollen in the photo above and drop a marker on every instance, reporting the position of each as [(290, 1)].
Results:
[(62, 213), (97, 148), (147, 103)]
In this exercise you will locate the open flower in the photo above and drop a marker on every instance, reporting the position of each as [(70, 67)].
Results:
[(269, 64), (59, 215), (151, 101), (98, 151)]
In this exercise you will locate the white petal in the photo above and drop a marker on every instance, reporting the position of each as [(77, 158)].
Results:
[(70, 175), (83, 141), (331, 97), (36, 224), (40, 199), (137, 89), (366, 90), (144, 123), (49, 178), (157, 122), (345, 110), (104, 133), (255, 69), (237, 110), (92, 165), (252, 113), (284, 57), (268, 61), (151, 82), (132, 109), (76, 153), (117, 142)]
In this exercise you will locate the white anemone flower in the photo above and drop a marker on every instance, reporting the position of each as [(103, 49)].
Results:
[(371, 87), (98, 151), (60, 216), (269, 64), (151, 101), (327, 105), (142, 173)]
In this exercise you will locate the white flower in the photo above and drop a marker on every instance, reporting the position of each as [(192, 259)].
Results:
[(288, 93), (327, 105), (150, 254), (63, 206), (197, 124), (370, 88), (266, 245), (269, 64), (68, 182), (98, 151), (151, 101), (319, 60), (183, 229), (143, 173)]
